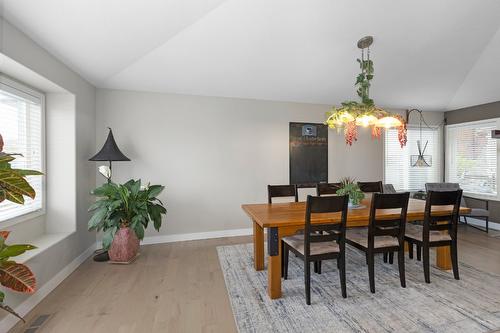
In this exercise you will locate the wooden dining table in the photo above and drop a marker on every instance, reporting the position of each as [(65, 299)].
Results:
[(284, 219)]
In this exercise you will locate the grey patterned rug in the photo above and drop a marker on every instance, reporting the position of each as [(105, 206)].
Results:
[(446, 305)]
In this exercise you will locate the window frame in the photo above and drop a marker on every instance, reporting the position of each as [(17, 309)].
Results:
[(467, 123), (440, 153), (19, 88)]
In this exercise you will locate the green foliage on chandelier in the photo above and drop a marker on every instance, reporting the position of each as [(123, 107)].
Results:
[(363, 81), (349, 111)]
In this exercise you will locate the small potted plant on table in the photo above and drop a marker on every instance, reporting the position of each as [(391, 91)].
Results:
[(123, 212), (349, 187)]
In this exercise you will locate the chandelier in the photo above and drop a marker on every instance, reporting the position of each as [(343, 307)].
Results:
[(352, 114)]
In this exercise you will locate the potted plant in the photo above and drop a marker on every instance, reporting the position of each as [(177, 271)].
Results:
[(13, 187), (123, 212), (348, 186), (13, 275)]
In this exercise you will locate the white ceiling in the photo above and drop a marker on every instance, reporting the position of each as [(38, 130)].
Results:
[(435, 55)]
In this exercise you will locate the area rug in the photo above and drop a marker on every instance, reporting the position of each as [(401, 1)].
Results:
[(445, 305)]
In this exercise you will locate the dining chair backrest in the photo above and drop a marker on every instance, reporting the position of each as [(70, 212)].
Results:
[(394, 227), (388, 188), (370, 187), (325, 232), (443, 187), (441, 222), (327, 188), (280, 191)]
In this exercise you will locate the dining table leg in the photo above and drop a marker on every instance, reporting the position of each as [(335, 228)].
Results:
[(258, 246), (443, 258), (273, 263), (274, 236)]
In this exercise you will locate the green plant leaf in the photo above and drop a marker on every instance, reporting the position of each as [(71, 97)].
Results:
[(135, 187), (97, 204), (108, 236), (15, 250), (139, 231), (5, 158), (14, 183), (14, 197), (97, 218), (155, 190), (23, 172), (105, 190)]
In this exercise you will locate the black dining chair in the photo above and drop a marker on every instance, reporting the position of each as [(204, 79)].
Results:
[(476, 213), (327, 188), (319, 241), (382, 236), (280, 191), (371, 187), (437, 230)]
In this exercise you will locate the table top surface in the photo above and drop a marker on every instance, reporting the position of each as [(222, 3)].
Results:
[(293, 213)]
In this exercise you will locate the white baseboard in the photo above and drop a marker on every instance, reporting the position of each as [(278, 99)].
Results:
[(196, 236), (9, 321)]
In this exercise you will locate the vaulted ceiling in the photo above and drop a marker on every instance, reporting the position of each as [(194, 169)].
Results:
[(435, 55)]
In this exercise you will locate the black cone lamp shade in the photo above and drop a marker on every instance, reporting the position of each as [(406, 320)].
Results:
[(109, 152)]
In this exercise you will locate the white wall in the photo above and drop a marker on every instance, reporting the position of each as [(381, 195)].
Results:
[(18, 47), (213, 154)]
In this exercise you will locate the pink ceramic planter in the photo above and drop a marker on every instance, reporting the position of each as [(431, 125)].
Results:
[(125, 245)]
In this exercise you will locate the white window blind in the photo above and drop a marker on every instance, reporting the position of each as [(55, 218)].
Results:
[(398, 169), (471, 157), (21, 127)]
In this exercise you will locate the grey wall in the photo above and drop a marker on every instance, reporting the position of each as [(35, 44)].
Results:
[(213, 154), (17, 46), (474, 113)]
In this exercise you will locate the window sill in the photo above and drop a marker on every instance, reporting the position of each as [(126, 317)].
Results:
[(22, 218), (42, 243)]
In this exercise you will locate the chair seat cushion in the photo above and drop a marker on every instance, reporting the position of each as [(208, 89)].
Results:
[(360, 236), (477, 212), (415, 232), (297, 242)]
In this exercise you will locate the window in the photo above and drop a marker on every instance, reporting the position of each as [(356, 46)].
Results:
[(398, 169), (471, 157), (21, 125)]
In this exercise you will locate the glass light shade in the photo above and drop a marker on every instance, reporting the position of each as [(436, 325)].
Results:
[(366, 120), (388, 122), (345, 117)]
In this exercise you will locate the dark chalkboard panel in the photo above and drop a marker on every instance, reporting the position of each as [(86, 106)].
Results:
[(308, 154)]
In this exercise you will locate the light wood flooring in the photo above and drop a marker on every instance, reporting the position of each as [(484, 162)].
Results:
[(177, 287)]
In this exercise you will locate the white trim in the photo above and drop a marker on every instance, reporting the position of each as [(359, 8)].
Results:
[(196, 236), (25, 307)]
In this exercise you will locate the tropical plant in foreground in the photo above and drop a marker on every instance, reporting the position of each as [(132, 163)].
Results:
[(15, 276), (126, 205), (14, 187), (13, 184), (348, 186)]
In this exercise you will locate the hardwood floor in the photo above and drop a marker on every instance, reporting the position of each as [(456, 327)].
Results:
[(178, 287)]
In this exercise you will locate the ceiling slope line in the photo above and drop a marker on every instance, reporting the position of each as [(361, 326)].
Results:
[(466, 76), (102, 82)]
